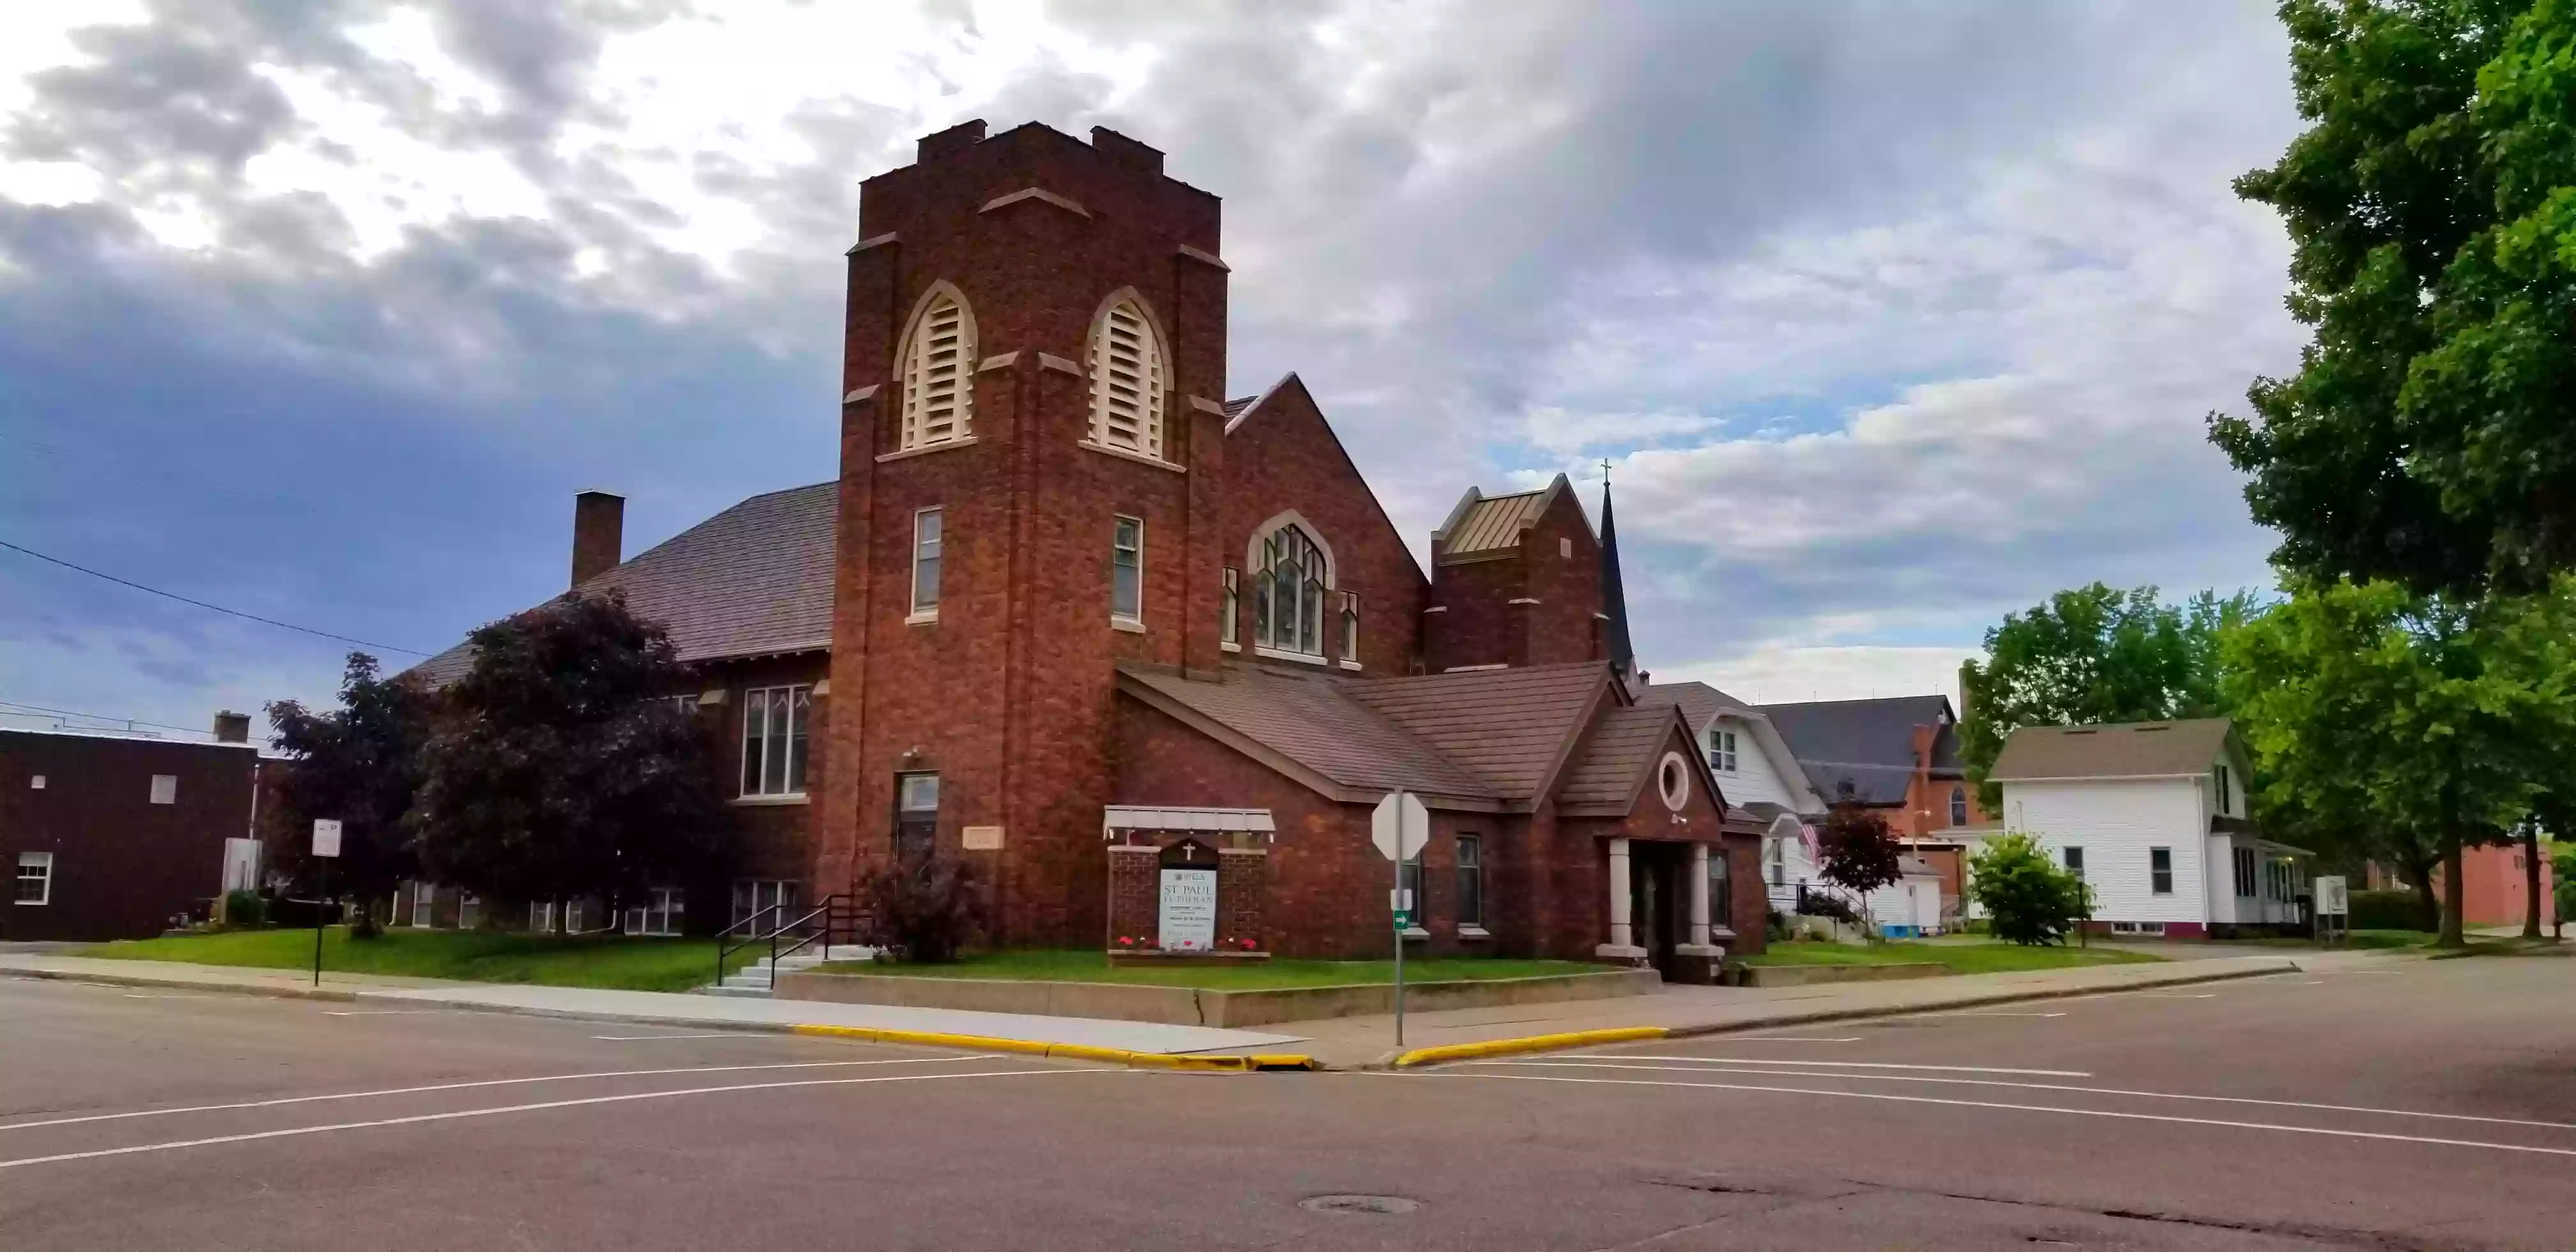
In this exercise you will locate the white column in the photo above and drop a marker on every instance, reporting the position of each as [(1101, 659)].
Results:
[(1622, 945), (1699, 895)]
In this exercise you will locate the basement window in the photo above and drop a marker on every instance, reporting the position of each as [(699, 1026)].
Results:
[(35, 878)]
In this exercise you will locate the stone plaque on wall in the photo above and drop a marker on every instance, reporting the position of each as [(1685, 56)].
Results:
[(982, 838), (1186, 921)]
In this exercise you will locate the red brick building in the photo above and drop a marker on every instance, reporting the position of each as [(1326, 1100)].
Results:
[(1068, 612), (112, 836)]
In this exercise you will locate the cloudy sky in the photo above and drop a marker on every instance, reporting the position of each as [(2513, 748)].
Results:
[(1891, 317)]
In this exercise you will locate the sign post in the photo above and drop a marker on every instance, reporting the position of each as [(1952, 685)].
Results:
[(1399, 828), (326, 848), (2334, 907)]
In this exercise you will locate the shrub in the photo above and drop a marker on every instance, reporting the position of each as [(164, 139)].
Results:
[(2386, 910), (924, 908), (244, 908), (1826, 905), (2027, 898)]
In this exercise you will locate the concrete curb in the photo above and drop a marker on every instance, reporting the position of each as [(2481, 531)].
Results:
[(1253, 1063), (1595, 1038)]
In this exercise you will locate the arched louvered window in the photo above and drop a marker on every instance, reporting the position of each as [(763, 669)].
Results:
[(1127, 383), (1288, 594), (938, 372)]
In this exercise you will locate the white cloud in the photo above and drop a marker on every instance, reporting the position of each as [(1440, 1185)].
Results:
[(1789, 675)]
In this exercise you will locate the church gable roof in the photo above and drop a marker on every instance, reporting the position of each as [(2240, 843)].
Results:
[(754, 580)]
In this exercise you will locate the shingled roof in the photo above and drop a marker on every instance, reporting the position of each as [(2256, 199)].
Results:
[(1625, 744), (1868, 744), (1482, 738), (1699, 701), (2125, 750), (753, 580)]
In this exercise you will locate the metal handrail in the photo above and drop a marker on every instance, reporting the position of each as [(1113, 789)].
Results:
[(838, 913)]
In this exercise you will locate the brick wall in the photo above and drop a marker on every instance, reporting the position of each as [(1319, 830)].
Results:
[(122, 864)]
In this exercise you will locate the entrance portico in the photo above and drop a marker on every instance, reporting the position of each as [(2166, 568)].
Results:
[(1660, 909)]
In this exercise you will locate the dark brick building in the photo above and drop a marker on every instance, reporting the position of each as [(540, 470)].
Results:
[(1068, 611), (110, 837)]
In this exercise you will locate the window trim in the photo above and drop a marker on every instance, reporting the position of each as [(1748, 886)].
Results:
[(1469, 865), (165, 789), (1347, 629), (670, 904), (910, 435), (2219, 777), (2243, 867), (1958, 805), (1153, 424), (795, 778), (424, 906), (1117, 523), (1723, 756), (937, 560), (1229, 609), (2167, 873), (2071, 857), (35, 860), (1263, 579)]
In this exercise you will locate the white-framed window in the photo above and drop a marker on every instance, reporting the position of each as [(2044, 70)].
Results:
[(773, 739), (1408, 879), (1229, 607), (1958, 806), (469, 911), (35, 878), (1721, 888), (662, 913), (916, 813), (2160, 871), (2075, 861), (772, 900), (1127, 381), (165, 788), (1721, 751), (1288, 593), (1775, 860), (541, 916), (938, 372), (2137, 928), (1672, 780), (2220, 778), (424, 899), (1351, 626), (927, 528), (2244, 867), (35, 782), (1471, 880), (1127, 569)]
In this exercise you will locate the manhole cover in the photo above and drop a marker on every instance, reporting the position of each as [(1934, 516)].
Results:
[(1359, 1204)]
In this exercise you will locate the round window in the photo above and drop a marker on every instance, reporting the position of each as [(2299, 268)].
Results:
[(1672, 778)]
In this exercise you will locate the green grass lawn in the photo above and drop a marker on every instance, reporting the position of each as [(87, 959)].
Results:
[(619, 963), (1092, 966), (1964, 955)]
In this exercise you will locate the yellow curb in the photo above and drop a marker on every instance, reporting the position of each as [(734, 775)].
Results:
[(1061, 1051), (1526, 1043)]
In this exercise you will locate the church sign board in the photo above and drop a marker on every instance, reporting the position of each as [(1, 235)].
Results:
[(1186, 921)]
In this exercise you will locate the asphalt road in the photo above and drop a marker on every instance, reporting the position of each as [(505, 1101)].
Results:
[(2432, 1106)]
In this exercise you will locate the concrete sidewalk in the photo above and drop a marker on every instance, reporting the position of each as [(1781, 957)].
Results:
[(654, 1007), (1678, 1010)]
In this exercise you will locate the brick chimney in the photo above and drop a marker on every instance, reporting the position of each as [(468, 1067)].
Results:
[(232, 727), (598, 534)]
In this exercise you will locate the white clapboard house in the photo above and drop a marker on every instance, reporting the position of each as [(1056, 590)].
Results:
[(2153, 814)]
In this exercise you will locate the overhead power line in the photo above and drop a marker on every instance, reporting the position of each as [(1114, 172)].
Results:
[(11, 708), (265, 621)]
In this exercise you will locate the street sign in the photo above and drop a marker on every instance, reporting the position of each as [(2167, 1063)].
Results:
[(2332, 899), (1400, 815), (326, 836)]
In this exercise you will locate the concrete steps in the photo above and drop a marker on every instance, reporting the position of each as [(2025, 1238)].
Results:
[(756, 980)]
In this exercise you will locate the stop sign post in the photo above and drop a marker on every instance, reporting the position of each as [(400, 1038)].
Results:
[(1399, 828)]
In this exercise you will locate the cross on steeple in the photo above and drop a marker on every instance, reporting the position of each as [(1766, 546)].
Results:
[(1605, 471)]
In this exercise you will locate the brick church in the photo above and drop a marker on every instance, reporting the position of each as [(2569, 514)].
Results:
[(1069, 612)]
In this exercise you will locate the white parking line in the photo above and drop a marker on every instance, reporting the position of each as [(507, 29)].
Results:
[(1790, 1039), (526, 1108), (466, 1086), (720, 1034), (2018, 1108), (1990, 1015), (383, 1012), (2049, 1086), (1749, 1060), (2174, 995)]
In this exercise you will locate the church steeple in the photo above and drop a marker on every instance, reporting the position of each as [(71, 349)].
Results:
[(1614, 598)]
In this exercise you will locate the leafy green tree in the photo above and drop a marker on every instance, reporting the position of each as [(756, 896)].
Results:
[(2027, 897), (561, 767), (2432, 207), (2565, 865), (2411, 718), (2088, 655), (359, 764)]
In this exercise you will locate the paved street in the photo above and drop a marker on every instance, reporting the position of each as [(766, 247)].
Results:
[(2428, 1105)]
